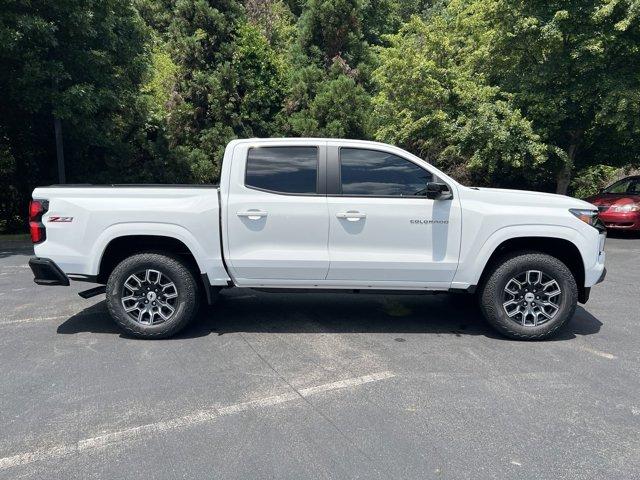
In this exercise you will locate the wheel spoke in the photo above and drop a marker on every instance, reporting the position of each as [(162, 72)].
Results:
[(152, 315), (512, 290), (549, 303), (514, 312), (132, 308), (168, 307), (543, 312), (157, 275), (534, 277), (133, 287)]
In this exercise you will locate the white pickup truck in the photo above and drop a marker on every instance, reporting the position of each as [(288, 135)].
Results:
[(306, 214)]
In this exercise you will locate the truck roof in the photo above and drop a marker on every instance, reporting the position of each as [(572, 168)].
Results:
[(133, 185), (305, 139)]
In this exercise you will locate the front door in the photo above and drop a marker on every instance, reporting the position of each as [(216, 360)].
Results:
[(383, 230), (277, 220)]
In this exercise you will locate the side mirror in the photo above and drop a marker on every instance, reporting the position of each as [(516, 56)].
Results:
[(438, 191)]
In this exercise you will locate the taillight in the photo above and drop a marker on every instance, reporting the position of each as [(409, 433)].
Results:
[(37, 208)]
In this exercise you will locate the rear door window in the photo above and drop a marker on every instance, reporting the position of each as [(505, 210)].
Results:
[(289, 170)]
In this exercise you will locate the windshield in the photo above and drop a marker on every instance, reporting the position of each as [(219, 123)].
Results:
[(627, 185)]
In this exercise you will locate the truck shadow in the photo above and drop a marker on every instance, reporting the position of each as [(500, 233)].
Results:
[(624, 235), (247, 311)]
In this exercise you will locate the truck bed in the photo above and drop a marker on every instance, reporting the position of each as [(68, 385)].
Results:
[(82, 220)]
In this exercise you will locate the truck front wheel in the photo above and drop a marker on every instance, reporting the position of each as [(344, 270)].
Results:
[(152, 295), (528, 296)]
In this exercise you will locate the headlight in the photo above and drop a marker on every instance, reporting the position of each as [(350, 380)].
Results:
[(626, 208), (589, 217)]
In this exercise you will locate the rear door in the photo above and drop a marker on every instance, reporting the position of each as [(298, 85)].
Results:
[(277, 218), (383, 230)]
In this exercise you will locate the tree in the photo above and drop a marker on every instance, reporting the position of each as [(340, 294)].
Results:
[(82, 61), (510, 93), (331, 28), (341, 108), (566, 71), (432, 104), (274, 20), (571, 67)]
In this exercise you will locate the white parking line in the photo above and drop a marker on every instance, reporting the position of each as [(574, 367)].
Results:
[(598, 353), (30, 320), (202, 416), (4, 322)]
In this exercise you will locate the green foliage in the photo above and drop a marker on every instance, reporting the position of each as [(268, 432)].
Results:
[(162, 80), (571, 67), (261, 82), (10, 219), (331, 28), (563, 76), (594, 178), (496, 92), (275, 21), (81, 61), (341, 108), (230, 83), (429, 104)]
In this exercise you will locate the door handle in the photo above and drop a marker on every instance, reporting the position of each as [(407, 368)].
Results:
[(252, 214), (351, 215)]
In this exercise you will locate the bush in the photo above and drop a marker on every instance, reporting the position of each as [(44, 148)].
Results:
[(591, 180)]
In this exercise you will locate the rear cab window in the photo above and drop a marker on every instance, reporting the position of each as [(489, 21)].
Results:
[(287, 170)]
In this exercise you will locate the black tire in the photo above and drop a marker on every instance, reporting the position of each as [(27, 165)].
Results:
[(491, 295), (185, 304)]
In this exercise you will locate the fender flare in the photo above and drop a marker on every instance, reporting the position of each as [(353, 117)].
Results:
[(127, 229), (470, 274)]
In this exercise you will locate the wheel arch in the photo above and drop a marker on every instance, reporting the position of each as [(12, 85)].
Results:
[(121, 247), (561, 248)]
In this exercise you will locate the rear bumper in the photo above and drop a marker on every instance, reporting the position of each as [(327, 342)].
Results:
[(46, 272)]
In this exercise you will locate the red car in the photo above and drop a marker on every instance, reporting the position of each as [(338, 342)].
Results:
[(619, 204)]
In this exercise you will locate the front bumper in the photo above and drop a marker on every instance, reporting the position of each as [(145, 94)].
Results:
[(46, 272), (584, 292), (621, 220)]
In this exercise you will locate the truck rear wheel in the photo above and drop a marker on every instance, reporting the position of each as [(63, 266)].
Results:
[(529, 296), (152, 295)]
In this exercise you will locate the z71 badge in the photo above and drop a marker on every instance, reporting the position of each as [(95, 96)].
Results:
[(61, 219)]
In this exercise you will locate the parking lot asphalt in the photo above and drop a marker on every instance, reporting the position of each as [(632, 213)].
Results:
[(318, 386)]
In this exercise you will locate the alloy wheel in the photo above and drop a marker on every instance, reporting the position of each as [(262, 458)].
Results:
[(149, 297), (531, 298)]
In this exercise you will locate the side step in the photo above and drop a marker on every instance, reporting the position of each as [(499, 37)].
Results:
[(92, 292)]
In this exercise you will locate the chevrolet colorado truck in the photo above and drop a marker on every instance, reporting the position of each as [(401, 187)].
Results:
[(304, 214)]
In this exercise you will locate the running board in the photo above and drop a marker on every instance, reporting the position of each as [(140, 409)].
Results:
[(92, 292)]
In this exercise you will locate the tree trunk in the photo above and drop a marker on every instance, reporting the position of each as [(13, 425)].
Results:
[(57, 125), (564, 175)]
